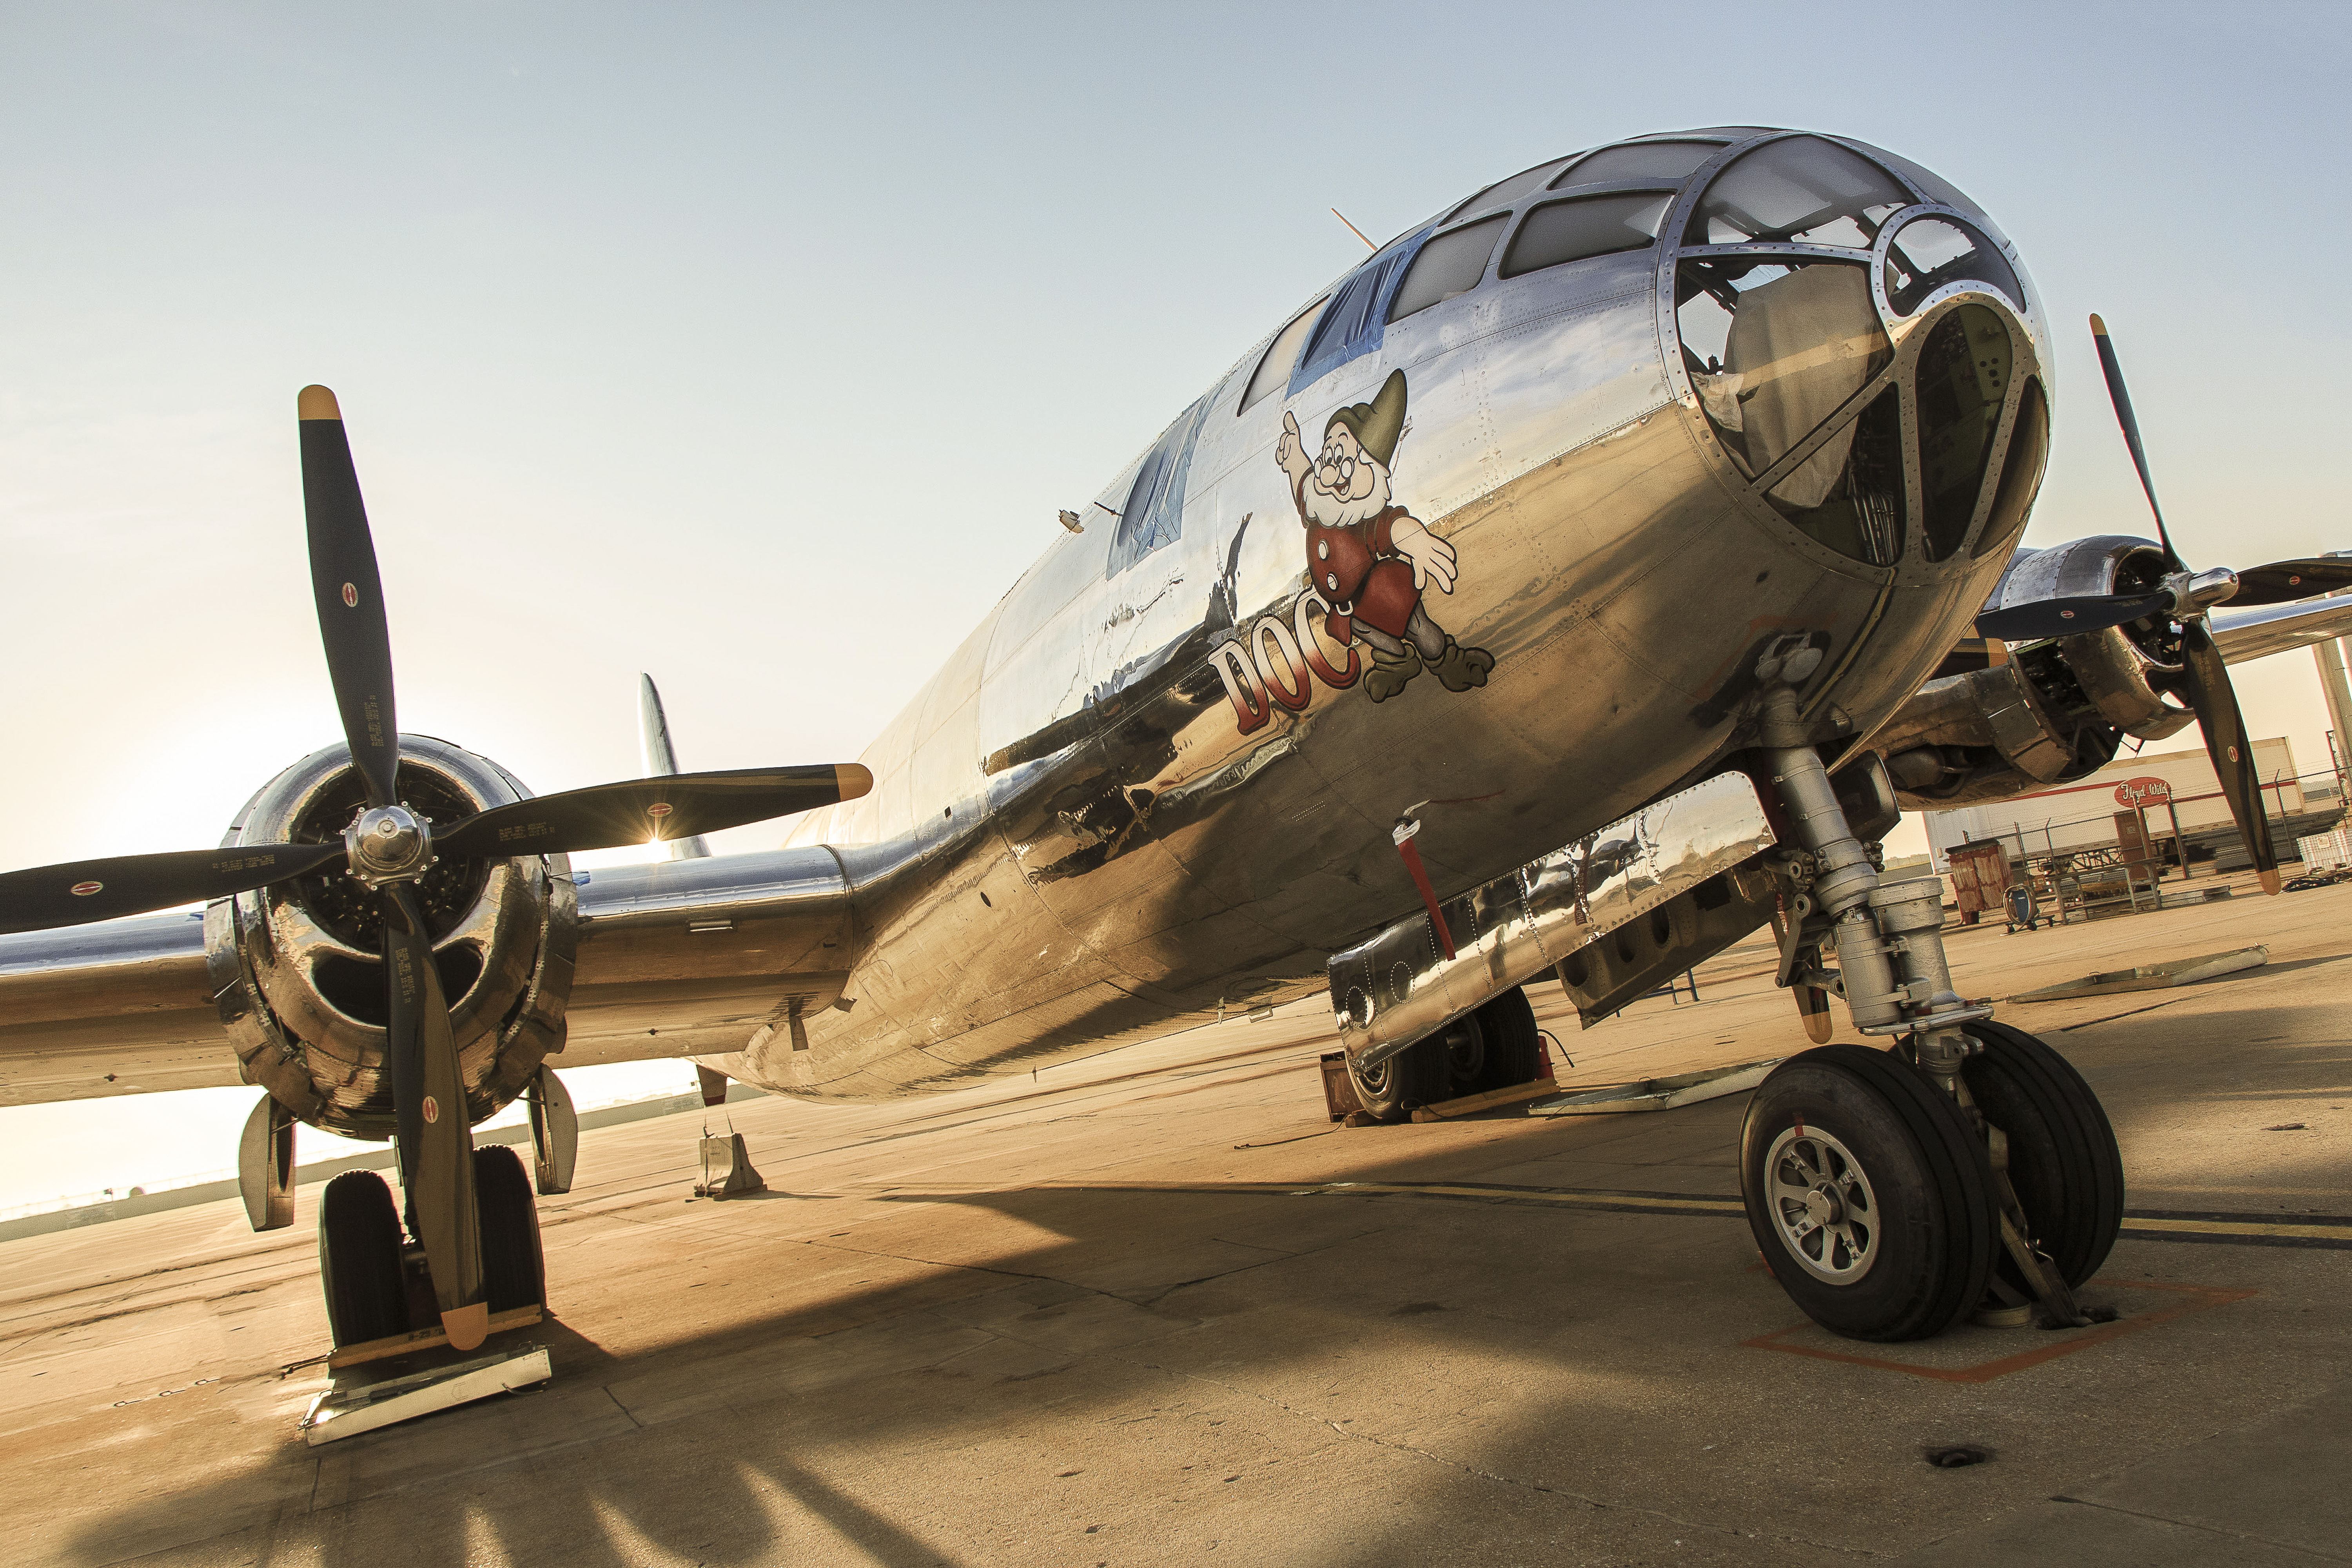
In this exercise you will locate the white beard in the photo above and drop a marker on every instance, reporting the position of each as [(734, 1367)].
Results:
[(1325, 509)]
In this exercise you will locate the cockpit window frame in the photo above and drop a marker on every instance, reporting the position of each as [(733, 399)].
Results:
[(1310, 317), (1500, 221), (1353, 333), (1717, 173), (1916, 565), (1157, 520), (1478, 206), (1508, 251), (1567, 180)]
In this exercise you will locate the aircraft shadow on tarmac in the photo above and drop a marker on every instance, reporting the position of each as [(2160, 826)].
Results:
[(1148, 1298), (939, 1323)]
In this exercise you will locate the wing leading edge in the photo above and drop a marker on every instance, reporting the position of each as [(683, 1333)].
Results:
[(688, 957)]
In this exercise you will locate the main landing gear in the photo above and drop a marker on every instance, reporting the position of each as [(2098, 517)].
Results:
[(1970, 1169), (1495, 1046), (375, 1279)]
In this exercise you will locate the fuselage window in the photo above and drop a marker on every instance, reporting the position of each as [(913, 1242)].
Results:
[(1639, 161), (1352, 324), (1572, 230), (1274, 370), (1503, 192), (1448, 264), (1154, 514), (1800, 191)]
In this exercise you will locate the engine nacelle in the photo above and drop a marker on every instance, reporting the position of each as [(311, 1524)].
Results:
[(2056, 710), (296, 968)]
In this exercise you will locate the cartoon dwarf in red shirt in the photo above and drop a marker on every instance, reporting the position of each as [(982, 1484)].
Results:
[(1370, 559)]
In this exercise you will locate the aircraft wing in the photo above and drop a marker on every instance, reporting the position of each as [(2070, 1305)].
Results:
[(2274, 628), (688, 957)]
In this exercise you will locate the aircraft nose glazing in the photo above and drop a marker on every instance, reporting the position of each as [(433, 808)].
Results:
[(1864, 353)]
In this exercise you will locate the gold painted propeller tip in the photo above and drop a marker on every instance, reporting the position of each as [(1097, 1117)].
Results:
[(2098, 327), (465, 1326), (317, 403), (2270, 881), (852, 779)]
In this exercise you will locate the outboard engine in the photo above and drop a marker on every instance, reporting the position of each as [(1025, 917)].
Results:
[(296, 968)]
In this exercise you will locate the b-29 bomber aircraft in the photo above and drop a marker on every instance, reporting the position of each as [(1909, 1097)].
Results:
[(1582, 583)]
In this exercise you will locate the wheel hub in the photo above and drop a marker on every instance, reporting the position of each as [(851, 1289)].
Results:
[(1820, 1199), (1466, 1050)]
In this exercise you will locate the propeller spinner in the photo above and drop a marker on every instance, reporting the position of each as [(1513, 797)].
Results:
[(2185, 599), (388, 848)]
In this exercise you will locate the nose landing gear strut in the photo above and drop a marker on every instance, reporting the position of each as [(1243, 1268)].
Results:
[(1969, 1169)]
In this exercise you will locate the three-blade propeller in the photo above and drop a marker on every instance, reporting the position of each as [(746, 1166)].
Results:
[(390, 848), (2184, 602)]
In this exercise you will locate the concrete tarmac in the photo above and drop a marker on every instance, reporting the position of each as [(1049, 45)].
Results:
[(1128, 1313)]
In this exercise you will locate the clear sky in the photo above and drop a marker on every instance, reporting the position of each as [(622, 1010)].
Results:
[(756, 345)]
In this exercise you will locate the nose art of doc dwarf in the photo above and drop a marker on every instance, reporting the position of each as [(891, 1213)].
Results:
[(1369, 558)]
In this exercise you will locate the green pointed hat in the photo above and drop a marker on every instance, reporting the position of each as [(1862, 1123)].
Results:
[(1376, 425)]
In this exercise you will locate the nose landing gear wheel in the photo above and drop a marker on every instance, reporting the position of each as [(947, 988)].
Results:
[(1868, 1195), (2063, 1160)]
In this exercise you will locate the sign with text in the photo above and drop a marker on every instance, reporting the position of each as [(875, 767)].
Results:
[(2143, 792)]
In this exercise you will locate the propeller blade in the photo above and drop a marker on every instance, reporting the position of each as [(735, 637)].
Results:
[(2283, 582), (349, 593), (2121, 396), (2068, 617), (2216, 703), (437, 1145), (634, 811), (79, 891)]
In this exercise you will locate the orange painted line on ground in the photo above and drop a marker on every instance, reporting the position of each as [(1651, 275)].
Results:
[(2200, 1298)]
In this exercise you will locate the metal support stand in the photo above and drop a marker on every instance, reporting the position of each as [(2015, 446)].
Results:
[(1888, 938), (727, 1170)]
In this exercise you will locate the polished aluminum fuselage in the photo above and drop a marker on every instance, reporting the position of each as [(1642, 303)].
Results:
[(1078, 832)]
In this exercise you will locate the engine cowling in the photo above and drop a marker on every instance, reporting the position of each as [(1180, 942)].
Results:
[(2054, 711), (296, 971)]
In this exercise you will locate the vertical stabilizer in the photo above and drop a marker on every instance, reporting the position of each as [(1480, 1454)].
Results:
[(652, 736)]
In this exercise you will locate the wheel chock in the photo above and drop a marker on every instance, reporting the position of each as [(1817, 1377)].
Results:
[(727, 1170)]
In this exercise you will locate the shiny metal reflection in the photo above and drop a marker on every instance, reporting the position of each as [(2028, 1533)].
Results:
[(1399, 987)]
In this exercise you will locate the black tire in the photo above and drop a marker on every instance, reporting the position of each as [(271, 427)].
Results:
[(1513, 1045), (513, 1272), (1466, 1048), (358, 1259), (2062, 1159), (1922, 1211), (1415, 1076)]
